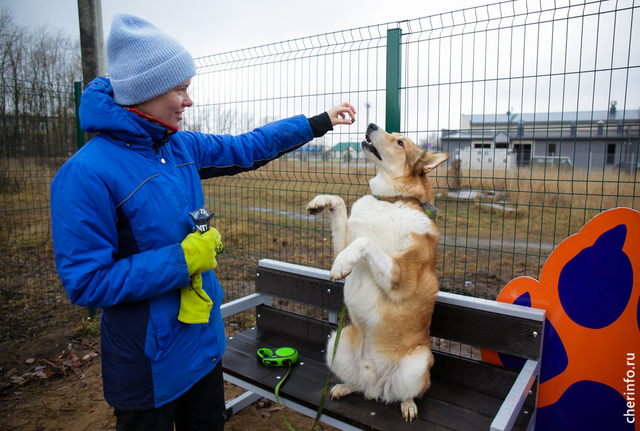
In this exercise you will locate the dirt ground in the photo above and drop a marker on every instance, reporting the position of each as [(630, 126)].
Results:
[(54, 382)]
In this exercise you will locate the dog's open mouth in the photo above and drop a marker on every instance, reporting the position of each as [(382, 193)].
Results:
[(366, 146)]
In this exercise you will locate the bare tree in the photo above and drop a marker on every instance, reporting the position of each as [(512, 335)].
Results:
[(37, 71)]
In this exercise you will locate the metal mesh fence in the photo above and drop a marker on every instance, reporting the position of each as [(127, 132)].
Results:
[(535, 101), (37, 136)]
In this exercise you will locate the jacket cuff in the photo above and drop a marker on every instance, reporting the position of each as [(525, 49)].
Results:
[(320, 124)]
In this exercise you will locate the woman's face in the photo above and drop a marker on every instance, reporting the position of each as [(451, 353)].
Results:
[(168, 107)]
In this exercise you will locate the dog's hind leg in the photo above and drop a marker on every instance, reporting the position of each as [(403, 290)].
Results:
[(409, 409), (413, 378), (340, 390), (345, 363), (338, 212)]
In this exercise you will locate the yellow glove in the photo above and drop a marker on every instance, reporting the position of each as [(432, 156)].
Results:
[(195, 304), (200, 250)]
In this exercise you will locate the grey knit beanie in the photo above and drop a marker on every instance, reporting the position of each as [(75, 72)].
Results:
[(143, 62)]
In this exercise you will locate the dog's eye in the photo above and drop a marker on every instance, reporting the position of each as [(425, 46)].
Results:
[(401, 143)]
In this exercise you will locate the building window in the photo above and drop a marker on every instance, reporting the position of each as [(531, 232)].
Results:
[(523, 152), (502, 145), (611, 154), (551, 150), (482, 145)]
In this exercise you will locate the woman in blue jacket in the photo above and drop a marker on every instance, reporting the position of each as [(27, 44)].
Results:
[(124, 241)]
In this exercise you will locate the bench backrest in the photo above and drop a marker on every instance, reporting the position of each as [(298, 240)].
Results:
[(504, 328)]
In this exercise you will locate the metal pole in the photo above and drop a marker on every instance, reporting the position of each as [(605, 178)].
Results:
[(394, 81), (91, 40), (77, 92)]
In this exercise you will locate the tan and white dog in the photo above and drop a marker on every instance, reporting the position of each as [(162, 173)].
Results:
[(387, 247)]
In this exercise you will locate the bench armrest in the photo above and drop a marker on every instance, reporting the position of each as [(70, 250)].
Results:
[(243, 304), (511, 406)]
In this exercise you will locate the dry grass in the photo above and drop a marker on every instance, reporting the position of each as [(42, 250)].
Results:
[(31, 295), (261, 214)]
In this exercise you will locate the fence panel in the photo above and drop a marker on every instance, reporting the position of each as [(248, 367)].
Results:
[(37, 136), (521, 94)]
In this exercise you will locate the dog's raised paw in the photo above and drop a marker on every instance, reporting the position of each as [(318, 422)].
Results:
[(340, 390), (340, 272), (409, 410), (319, 204), (343, 265), (322, 203), (315, 210)]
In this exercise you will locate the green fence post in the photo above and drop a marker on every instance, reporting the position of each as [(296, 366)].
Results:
[(77, 92), (394, 81)]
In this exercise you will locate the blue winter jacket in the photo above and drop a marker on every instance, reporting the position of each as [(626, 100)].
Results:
[(119, 210)]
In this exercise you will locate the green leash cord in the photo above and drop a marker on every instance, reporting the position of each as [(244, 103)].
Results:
[(335, 348), (279, 357), (287, 355), (278, 399)]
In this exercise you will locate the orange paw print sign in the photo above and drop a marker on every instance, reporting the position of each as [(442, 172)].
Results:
[(590, 287)]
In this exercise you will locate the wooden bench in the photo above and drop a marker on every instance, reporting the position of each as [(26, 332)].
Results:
[(466, 394)]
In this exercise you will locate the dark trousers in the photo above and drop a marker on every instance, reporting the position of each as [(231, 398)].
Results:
[(201, 408)]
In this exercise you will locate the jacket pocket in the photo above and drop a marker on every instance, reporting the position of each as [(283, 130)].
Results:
[(163, 327)]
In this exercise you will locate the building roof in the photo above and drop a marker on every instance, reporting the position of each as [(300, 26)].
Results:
[(344, 146), (611, 116), (539, 134)]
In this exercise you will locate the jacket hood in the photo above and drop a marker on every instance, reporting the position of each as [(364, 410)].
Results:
[(100, 113)]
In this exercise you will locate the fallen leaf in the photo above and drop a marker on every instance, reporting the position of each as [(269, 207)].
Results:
[(15, 397), (30, 361), (67, 408), (265, 414)]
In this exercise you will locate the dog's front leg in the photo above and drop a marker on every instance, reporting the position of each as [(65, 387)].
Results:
[(338, 213), (363, 249)]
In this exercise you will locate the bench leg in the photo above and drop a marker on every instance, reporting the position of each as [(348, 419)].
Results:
[(240, 402), (511, 406)]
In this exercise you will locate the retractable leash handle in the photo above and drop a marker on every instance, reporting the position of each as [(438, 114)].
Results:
[(201, 217), (280, 357)]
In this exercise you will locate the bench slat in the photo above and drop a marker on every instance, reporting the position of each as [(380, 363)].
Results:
[(305, 328), (304, 289), (502, 333)]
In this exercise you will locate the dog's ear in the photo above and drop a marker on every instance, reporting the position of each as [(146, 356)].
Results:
[(428, 162)]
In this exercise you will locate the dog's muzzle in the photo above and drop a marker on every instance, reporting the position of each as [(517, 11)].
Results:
[(366, 144)]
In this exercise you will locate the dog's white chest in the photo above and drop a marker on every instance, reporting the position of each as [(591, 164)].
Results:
[(391, 226)]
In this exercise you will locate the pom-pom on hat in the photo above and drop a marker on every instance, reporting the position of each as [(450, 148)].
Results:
[(143, 62)]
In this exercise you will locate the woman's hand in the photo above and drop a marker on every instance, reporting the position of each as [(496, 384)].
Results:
[(343, 113)]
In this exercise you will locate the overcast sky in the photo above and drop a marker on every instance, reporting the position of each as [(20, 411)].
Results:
[(207, 27)]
